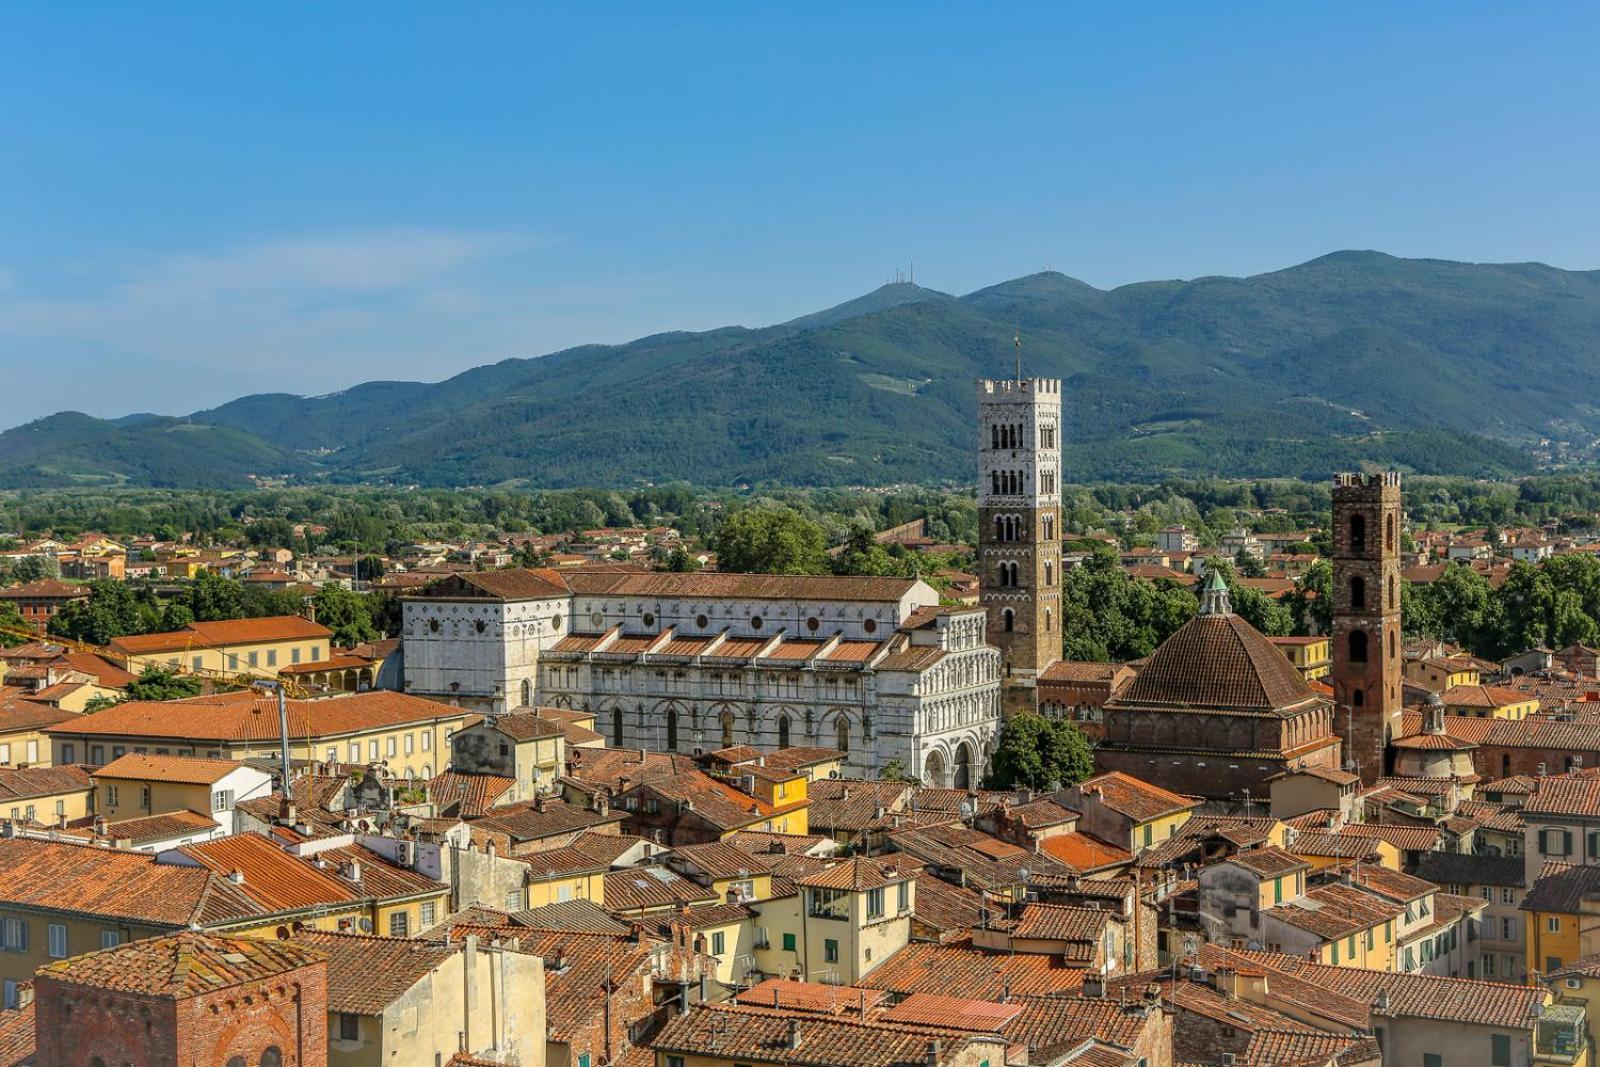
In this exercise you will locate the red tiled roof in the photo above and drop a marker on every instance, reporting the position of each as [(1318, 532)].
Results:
[(1137, 799), (272, 877), (957, 1013), (367, 974), (783, 993), (921, 967), (186, 964), (181, 770), (855, 874), (224, 633), (45, 589), (1084, 851), (113, 885), (251, 716), (1218, 661)]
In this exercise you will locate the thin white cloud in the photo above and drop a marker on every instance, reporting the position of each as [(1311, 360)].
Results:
[(305, 315)]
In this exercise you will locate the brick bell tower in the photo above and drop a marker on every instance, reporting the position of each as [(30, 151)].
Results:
[(1019, 529), (1366, 616)]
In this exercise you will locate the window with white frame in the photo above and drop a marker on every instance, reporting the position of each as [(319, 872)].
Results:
[(57, 941)]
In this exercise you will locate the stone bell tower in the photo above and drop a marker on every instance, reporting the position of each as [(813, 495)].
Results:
[(1019, 529), (1366, 616)]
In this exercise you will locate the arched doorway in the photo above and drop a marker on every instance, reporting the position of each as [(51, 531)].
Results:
[(963, 778), (933, 771)]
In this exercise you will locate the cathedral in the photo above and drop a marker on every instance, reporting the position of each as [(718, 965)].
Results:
[(1217, 710)]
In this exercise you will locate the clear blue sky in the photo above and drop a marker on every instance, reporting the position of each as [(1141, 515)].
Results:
[(200, 201)]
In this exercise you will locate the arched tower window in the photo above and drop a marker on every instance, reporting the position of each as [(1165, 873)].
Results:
[(1388, 532), (783, 731), (1393, 647), (1394, 589), (1358, 697), (994, 437), (1358, 646), (1358, 593), (1049, 621), (727, 729), (1049, 573), (616, 728), (272, 1057), (994, 482), (1008, 620), (672, 729), (527, 693), (1358, 533), (841, 731), (999, 527)]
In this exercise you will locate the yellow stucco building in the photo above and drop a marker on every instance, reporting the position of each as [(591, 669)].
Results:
[(246, 646)]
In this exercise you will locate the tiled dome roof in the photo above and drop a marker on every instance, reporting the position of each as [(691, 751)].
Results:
[(1219, 661)]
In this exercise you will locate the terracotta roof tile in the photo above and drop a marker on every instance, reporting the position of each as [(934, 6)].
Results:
[(367, 974), (1061, 922), (1138, 800), (181, 770), (1218, 661), (921, 967), (250, 716), (113, 885), (1084, 852), (227, 632), (185, 964)]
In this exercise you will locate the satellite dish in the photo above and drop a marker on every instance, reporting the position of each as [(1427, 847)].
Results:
[(366, 925)]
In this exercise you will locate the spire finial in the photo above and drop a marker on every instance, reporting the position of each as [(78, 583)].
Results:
[(1214, 597)]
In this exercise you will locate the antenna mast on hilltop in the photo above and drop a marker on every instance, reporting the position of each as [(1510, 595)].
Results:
[(1019, 355)]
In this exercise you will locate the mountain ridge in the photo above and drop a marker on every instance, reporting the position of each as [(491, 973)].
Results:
[(1351, 358)]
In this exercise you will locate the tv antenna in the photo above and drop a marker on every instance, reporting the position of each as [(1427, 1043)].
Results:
[(1018, 340)]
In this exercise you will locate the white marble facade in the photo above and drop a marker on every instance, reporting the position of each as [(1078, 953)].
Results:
[(692, 663)]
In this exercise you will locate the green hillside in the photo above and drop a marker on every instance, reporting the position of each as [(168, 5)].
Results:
[(1353, 358)]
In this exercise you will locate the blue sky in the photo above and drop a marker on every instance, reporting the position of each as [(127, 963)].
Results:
[(202, 201)]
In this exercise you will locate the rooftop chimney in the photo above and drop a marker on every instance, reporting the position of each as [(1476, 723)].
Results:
[(236, 876), (794, 1034)]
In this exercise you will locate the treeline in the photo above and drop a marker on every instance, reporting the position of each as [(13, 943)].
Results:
[(383, 520), (118, 609)]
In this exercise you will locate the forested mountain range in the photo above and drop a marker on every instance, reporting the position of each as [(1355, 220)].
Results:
[(1356, 357)]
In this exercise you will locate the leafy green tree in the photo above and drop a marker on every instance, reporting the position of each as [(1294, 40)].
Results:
[(680, 560), (175, 615), (35, 568), (346, 613), (1107, 615), (1248, 566), (156, 684), (1458, 605), (1038, 752), (213, 598), (114, 609), (771, 541), (11, 619), (863, 555), (1311, 603), (895, 771), (1526, 602)]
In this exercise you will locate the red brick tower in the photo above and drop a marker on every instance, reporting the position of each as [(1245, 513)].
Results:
[(1366, 616), (189, 998)]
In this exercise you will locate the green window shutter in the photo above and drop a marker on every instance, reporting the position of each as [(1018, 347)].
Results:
[(788, 942)]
